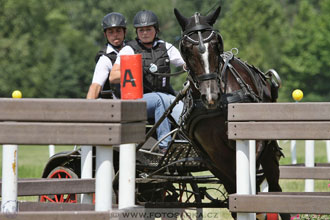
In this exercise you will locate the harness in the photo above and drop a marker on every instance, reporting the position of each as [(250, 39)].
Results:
[(194, 110), (107, 85), (154, 60), (246, 93)]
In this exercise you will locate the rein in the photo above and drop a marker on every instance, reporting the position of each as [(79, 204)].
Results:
[(246, 93)]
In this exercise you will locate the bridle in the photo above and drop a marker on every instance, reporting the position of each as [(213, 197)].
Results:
[(201, 48), (220, 74)]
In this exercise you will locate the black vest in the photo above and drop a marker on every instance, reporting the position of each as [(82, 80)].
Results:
[(156, 55), (112, 56)]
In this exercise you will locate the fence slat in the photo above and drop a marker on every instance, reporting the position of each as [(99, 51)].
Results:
[(78, 110), (71, 133), (275, 203), (51, 206), (315, 111), (33, 187), (67, 215), (291, 172), (262, 130)]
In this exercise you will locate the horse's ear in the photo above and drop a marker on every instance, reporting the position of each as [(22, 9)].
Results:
[(183, 21), (211, 18)]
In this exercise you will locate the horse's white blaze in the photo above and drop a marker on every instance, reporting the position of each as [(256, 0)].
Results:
[(205, 58), (209, 96)]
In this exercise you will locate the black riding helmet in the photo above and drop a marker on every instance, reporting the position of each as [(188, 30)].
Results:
[(146, 18), (113, 19)]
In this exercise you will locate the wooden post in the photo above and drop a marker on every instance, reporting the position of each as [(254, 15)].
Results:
[(309, 162), (86, 170), (103, 179), (9, 179), (127, 176), (328, 150), (243, 172), (293, 146)]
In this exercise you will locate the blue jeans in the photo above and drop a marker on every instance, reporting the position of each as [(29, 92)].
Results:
[(157, 103)]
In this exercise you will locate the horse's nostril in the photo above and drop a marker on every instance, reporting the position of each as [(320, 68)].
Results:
[(203, 97), (215, 97), (219, 96)]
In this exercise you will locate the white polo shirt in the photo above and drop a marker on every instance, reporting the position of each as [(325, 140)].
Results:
[(103, 67)]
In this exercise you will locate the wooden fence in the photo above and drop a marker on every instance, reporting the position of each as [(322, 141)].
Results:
[(101, 123), (277, 121)]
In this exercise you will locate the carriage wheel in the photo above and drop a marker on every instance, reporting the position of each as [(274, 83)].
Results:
[(166, 193), (185, 193), (61, 173), (189, 193)]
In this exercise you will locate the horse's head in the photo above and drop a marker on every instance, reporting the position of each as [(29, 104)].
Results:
[(201, 47)]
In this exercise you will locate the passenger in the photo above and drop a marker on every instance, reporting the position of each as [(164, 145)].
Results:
[(114, 27), (157, 56)]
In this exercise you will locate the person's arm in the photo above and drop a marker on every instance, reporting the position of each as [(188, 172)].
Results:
[(115, 74), (94, 91), (100, 76), (174, 55)]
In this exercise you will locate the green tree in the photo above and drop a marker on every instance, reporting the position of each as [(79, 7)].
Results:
[(47, 47), (256, 28), (306, 56)]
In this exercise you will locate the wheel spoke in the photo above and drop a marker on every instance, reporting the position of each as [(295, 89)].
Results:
[(188, 199), (43, 198), (56, 199), (62, 198)]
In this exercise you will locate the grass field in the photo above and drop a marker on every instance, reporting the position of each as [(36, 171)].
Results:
[(32, 159)]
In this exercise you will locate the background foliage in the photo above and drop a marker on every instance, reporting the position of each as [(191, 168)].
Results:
[(47, 47)]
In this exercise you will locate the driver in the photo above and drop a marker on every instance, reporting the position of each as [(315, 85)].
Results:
[(114, 28), (157, 55)]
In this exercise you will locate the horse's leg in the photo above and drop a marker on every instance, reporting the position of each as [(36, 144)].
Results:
[(211, 135), (269, 160)]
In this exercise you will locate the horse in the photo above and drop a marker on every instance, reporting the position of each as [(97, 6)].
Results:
[(216, 79)]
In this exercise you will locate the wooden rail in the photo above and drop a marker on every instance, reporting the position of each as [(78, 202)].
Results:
[(103, 123), (67, 215), (38, 187), (320, 172), (275, 121), (71, 121)]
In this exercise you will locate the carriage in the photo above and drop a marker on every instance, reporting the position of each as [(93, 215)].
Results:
[(178, 178), (198, 170)]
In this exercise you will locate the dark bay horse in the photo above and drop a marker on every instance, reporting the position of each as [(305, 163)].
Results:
[(217, 79)]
